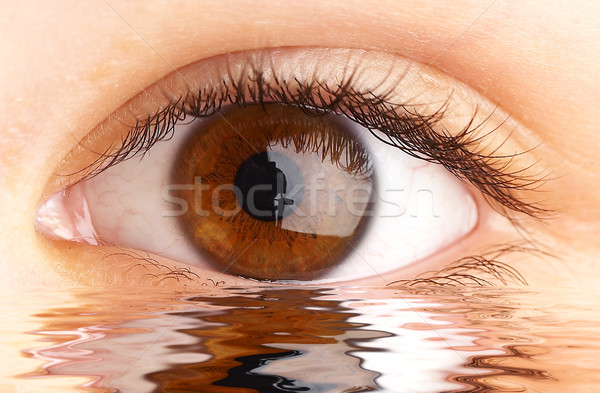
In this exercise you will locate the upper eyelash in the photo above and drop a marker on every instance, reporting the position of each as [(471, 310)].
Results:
[(399, 123)]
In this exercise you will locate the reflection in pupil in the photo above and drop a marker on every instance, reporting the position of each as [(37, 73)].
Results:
[(263, 184)]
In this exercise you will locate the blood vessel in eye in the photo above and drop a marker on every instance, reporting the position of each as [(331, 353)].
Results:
[(277, 195)]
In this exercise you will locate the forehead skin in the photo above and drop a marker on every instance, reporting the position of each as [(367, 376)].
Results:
[(66, 65)]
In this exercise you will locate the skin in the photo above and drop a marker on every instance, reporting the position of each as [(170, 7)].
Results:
[(67, 66)]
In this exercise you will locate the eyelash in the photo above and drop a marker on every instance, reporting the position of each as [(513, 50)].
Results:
[(398, 124), (479, 270)]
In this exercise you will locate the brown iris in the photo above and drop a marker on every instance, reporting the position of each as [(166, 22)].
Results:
[(277, 195)]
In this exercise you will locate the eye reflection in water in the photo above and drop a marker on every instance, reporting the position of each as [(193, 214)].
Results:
[(327, 340), (254, 332)]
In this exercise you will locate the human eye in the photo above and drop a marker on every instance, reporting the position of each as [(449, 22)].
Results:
[(296, 165)]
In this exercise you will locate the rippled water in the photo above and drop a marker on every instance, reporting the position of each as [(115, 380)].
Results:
[(300, 340)]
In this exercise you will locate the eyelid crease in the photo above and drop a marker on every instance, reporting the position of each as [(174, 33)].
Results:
[(396, 123)]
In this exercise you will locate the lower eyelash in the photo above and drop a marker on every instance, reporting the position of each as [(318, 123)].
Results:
[(484, 270), (479, 270), (155, 270)]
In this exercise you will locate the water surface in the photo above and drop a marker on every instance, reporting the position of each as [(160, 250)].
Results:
[(300, 339)]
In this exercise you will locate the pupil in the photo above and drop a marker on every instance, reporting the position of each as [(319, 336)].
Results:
[(266, 183)]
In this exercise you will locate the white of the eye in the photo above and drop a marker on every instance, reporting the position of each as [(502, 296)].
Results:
[(421, 208)]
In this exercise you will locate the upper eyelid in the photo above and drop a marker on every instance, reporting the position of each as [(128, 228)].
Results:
[(492, 173)]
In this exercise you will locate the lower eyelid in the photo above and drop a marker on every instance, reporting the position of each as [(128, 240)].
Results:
[(110, 265)]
